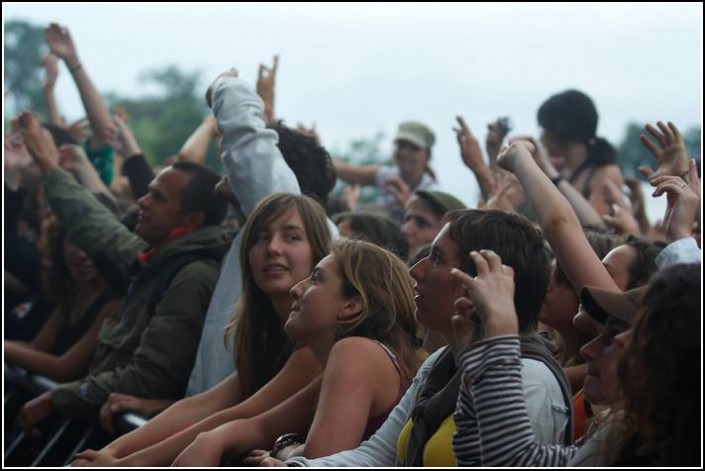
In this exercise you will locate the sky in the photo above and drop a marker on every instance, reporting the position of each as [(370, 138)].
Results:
[(359, 69)]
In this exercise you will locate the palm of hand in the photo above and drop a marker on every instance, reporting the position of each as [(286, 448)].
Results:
[(60, 43), (470, 149), (672, 160)]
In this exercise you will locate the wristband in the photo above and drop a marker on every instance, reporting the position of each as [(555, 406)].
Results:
[(284, 441), (556, 180)]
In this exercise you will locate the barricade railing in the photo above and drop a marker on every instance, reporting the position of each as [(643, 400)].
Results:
[(60, 439)]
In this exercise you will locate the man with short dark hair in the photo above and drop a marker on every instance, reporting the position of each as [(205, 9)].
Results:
[(147, 347)]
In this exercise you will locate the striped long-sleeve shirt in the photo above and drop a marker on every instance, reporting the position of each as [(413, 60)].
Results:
[(492, 423)]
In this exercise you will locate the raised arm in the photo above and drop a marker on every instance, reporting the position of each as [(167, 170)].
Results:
[(134, 165), (89, 224), (683, 202), (584, 209), (195, 149), (556, 218), (74, 159), (51, 66), (670, 153), (472, 157), (253, 161), (60, 42), (266, 80), (356, 174)]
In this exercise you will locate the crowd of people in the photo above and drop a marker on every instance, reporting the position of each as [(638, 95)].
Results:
[(254, 320)]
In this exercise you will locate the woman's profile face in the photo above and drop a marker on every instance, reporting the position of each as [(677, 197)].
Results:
[(316, 303), (281, 255)]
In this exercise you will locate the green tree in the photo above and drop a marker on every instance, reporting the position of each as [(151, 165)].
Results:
[(163, 122), (24, 45), (632, 154)]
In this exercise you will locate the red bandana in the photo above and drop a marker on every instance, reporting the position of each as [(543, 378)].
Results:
[(180, 231)]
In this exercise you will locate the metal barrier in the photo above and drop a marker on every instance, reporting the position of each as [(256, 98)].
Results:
[(60, 439)]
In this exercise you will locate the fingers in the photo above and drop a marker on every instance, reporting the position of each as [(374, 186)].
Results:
[(646, 171), (674, 130), (256, 457), (675, 185), (656, 134), (463, 127), (261, 70), (633, 184), (667, 133), (650, 146), (275, 66), (465, 320), (88, 454), (614, 194), (106, 419), (265, 71)]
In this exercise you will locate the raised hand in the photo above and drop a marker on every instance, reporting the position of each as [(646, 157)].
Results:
[(683, 200), (266, 80), (539, 154), (490, 293), (59, 40), (496, 132), (120, 136), (209, 93), (504, 195), (469, 146), (398, 188), (51, 67), (38, 142), (518, 149), (670, 153), (622, 218), (78, 129), (73, 158)]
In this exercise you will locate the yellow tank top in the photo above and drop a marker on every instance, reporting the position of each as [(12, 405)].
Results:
[(438, 450)]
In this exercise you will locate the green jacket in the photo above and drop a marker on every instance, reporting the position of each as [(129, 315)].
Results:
[(149, 356)]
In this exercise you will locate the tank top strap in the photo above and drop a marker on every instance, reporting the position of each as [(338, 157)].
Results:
[(391, 356)]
